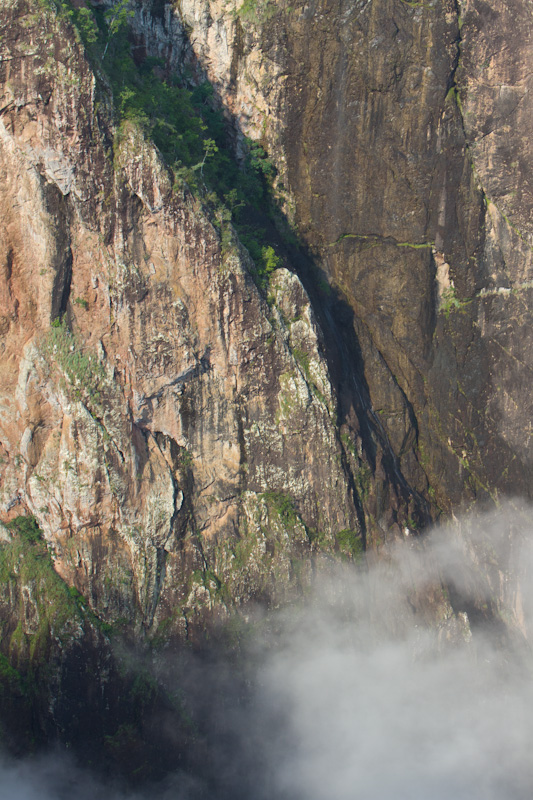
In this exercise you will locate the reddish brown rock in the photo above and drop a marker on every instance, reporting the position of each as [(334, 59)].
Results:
[(160, 415)]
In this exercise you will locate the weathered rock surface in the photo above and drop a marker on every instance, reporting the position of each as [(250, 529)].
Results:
[(159, 427), (401, 134), (190, 442)]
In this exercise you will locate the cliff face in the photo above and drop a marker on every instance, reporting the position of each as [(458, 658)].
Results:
[(401, 133), (189, 436), (172, 431)]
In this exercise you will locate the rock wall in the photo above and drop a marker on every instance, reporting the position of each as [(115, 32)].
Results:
[(401, 134), (172, 429), (191, 440), (174, 406)]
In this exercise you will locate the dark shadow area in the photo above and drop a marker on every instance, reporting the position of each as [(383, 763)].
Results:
[(202, 144), (207, 152)]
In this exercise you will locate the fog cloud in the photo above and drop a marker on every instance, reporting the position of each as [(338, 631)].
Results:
[(55, 776), (410, 679)]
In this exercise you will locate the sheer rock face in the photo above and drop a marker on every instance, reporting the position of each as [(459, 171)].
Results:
[(175, 434), (188, 442), (401, 132), (156, 442)]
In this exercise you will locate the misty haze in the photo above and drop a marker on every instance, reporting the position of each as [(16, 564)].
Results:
[(357, 694)]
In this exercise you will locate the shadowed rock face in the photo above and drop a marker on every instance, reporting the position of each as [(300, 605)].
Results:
[(402, 132)]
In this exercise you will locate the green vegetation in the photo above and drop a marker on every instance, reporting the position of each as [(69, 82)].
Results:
[(316, 536), (85, 373), (381, 241), (304, 363), (11, 681), (25, 562), (185, 459), (256, 10), (350, 544), (452, 93), (416, 4), (287, 398), (186, 124), (348, 443), (187, 127), (117, 18), (211, 582), (283, 506), (123, 741), (415, 246), (303, 360), (85, 23), (50, 618), (452, 303), (363, 480), (242, 550), (144, 688)]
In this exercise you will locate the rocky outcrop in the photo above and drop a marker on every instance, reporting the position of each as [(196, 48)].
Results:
[(172, 429)]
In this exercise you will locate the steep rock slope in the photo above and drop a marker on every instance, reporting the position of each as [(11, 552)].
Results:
[(191, 436), (173, 433), (401, 133)]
